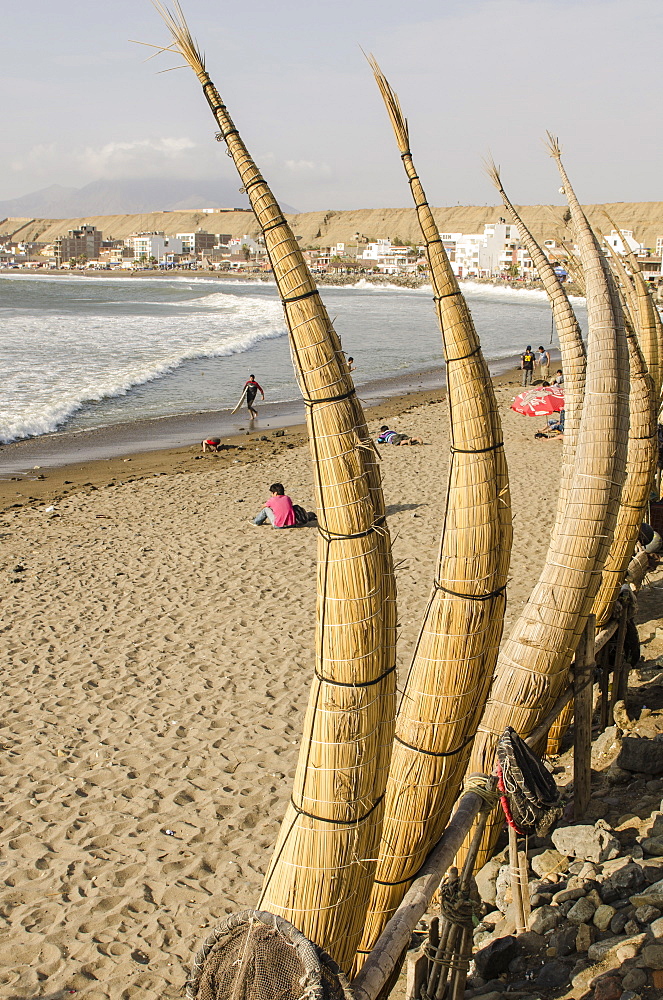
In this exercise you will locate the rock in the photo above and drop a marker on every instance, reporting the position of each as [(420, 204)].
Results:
[(631, 947), (503, 895), (641, 755), (591, 843), (491, 919), (618, 923), (625, 880), (530, 943), (543, 919), (645, 914), (652, 871), (494, 959), (488, 995), (656, 928), (581, 911), (540, 899), (485, 880), (601, 948), (617, 775), (608, 988), (603, 915), (552, 975), (584, 937), (653, 846), (585, 975), (653, 896), (548, 862), (563, 940), (657, 979), (653, 956), (631, 927), (634, 979), (564, 895)]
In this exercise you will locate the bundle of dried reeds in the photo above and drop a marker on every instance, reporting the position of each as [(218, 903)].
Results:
[(645, 315), (571, 344), (640, 469), (321, 873), (457, 646), (533, 664), (640, 466)]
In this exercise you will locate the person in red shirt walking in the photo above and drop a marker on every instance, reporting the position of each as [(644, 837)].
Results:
[(278, 510), (252, 389)]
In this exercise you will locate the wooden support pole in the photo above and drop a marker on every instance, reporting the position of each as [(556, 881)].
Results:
[(514, 872), (524, 887), (582, 746), (618, 670), (395, 938)]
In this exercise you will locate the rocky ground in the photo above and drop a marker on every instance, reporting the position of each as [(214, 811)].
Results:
[(596, 888)]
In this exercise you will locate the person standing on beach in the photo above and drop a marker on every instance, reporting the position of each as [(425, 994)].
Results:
[(252, 389), (527, 365), (544, 363)]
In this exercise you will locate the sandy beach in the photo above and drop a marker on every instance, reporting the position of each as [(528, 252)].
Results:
[(158, 651)]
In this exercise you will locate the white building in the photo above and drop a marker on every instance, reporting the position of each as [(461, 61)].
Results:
[(387, 258), (617, 239), (466, 263), (237, 245), (146, 245)]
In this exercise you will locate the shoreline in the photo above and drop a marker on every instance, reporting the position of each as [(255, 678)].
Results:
[(48, 468)]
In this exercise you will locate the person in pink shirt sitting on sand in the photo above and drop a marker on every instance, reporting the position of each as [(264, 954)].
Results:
[(278, 510)]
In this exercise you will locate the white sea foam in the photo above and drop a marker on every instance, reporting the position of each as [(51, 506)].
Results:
[(50, 371)]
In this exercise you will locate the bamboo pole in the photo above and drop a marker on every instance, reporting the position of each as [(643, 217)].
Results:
[(533, 663), (322, 869), (457, 646)]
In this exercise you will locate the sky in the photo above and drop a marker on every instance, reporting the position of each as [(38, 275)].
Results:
[(82, 102)]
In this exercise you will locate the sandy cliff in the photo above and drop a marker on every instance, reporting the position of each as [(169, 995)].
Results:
[(318, 229)]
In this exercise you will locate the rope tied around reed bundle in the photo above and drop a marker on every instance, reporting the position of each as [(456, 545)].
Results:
[(470, 597), (528, 792)]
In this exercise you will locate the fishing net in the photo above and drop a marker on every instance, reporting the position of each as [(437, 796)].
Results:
[(255, 955), (529, 794)]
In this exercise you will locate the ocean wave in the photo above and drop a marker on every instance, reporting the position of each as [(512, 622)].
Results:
[(43, 390)]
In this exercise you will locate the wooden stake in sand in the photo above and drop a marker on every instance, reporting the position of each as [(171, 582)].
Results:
[(321, 873), (533, 664), (457, 646)]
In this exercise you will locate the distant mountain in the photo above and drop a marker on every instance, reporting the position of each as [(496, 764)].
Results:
[(126, 197), (44, 204)]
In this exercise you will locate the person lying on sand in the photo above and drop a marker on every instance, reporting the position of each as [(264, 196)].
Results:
[(554, 428), (211, 444), (393, 437), (278, 510)]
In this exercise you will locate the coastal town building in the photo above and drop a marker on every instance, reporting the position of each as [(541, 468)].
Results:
[(79, 244), (620, 240), (154, 246), (198, 242)]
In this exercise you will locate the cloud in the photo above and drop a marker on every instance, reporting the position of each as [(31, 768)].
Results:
[(117, 159), (161, 156)]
